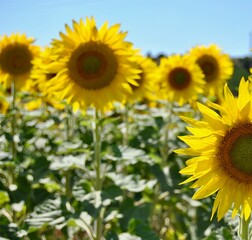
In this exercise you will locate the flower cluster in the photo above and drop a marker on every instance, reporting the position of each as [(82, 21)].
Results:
[(96, 67)]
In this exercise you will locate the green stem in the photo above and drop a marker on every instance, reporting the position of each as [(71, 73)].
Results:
[(13, 121), (69, 122), (97, 148), (244, 228), (165, 132), (98, 180), (68, 175), (126, 122)]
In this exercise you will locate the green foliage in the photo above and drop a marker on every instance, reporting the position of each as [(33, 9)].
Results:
[(48, 191)]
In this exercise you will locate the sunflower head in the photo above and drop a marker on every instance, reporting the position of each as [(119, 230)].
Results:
[(16, 55), (181, 79), (40, 77), (147, 81), (217, 68), (93, 65), (220, 146)]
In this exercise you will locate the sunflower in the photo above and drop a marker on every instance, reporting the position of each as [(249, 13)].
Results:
[(40, 77), (39, 74), (16, 55), (216, 66), (221, 148), (147, 80), (93, 66), (181, 79)]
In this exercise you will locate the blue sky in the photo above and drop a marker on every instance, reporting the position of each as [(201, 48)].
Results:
[(154, 26)]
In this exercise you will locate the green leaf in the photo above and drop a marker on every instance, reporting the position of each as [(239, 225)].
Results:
[(129, 156), (112, 216), (18, 207), (142, 230), (4, 155), (40, 168), (9, 232), (68, 162), (85, 224), (50, 185), (112, 192), (131, 183), (111, 235), (4, 197), (159, 174), (127, 236), (46, 213), (131, 211)]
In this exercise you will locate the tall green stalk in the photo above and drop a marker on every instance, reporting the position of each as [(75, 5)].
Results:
[(244, 229), (70, 120), (97, 162), (68, 186), (165, 134), (69, 125), (126, 122), (13, 121)]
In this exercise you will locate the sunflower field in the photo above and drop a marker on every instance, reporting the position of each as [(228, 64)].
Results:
[(99, 142)]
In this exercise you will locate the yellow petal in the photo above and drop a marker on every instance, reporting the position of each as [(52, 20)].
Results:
[(213, 119), (230, 102), (243, 93)]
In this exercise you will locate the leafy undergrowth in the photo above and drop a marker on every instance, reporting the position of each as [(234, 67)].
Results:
[(48, 190)]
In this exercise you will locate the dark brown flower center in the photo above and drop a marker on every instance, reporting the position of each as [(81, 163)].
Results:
[(209, 66), (235, 152), (50, 76), (179, 78), (16, 59), (92, 65)]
